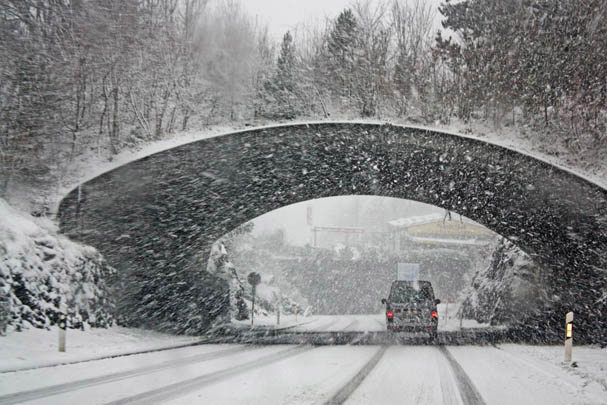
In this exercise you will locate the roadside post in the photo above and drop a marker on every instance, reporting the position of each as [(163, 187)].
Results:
[(568, 336), (62, 327), (278, 301), (254, 279)]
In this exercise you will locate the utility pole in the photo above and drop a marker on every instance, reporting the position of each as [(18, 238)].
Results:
[(254, 279)]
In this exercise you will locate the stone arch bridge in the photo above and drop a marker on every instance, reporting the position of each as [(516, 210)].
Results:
[(156, 218)]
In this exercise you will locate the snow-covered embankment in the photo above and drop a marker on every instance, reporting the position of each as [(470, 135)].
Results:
[(42, 274)]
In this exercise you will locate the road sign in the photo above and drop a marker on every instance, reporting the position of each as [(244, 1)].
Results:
[(254, 278), (407, 271)]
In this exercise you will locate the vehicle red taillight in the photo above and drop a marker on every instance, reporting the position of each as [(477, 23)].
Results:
[(390, 314), (434, 314)]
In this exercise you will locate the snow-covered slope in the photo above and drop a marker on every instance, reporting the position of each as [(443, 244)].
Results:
[(43, 273), (511, 287)]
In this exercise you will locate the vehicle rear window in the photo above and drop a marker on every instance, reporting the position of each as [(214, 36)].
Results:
[(407, 293)]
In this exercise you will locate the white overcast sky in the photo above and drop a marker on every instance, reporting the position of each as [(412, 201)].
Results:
[(369, 212), (284, 15)]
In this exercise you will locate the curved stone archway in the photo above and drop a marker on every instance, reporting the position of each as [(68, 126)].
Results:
[(155, 214)]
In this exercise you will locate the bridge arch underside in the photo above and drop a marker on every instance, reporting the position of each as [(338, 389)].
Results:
[(155, 214)]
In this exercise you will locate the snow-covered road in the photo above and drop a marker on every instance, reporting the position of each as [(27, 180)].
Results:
[(341, 323), (373, 323), (292, 374)]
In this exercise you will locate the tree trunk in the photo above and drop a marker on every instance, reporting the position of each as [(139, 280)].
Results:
[(184, 122), (114, 133), (171, 121)]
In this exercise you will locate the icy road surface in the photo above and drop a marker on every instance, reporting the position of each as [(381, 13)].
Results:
[(372, 323), (282, 374), (302, 374)]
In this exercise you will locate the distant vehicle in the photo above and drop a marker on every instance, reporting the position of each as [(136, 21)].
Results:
[(411, 307)]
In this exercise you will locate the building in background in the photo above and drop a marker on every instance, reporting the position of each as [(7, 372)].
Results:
[(438, 231)]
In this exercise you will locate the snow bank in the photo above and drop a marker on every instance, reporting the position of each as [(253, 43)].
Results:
[(43, 273), (33, 348), (588, 362)]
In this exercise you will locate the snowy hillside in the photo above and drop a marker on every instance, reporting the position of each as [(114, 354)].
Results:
[(511, 287), (43, 273)]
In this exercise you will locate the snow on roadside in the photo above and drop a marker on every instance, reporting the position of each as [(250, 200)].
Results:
[(589, 362), (512, 376), (33, 348)]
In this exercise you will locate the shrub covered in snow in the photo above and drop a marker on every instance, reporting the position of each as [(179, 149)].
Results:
[(510, 288), (220, 266), (43, 274)]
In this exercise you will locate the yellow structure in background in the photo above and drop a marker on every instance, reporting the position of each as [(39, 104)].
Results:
[(449, 229)]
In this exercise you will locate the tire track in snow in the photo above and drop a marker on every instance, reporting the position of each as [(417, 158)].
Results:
[(448, 382), (344, 393), (467, 390), (44, 392), (185, 387)]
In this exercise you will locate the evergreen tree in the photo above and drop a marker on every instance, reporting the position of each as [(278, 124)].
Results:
[(285, 86), (264, 96), (342, 47), (285, 74), (539, 55)]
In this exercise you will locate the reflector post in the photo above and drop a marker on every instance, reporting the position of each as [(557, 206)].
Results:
[(62, 327), (568, 336)]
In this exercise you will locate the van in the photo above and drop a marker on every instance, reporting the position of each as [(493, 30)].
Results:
[(411, 307)]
